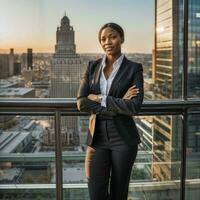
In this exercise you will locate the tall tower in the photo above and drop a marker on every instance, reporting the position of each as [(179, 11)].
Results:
[(65, 45), (29, 59), (11, 62), (168, 80), (65, 69)]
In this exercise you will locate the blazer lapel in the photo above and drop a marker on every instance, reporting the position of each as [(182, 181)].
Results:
[(118, 76), (97, 74)]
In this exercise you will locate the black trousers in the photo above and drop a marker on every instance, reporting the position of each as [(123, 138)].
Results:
[(108, 163)]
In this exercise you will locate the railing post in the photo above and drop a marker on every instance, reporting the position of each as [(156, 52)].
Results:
[(185, 96), (185, 50), (183, 153), (58, 153)]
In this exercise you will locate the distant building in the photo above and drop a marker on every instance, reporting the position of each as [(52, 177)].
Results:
[(69, 139), (7, 64), (11, 62), (7, 121), (28, 77), (12, 82), (29, 59), (17, 68), (26, 60), (17, 92), (14, 141), (66, 69), (4, 66)]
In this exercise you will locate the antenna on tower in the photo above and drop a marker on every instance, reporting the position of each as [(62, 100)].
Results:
[(65, 13)]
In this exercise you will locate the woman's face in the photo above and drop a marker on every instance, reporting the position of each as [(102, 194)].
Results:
[(111, 41)]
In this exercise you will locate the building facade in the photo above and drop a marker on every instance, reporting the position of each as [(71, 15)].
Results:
[(7, 64), (65, 70), (167, 74)]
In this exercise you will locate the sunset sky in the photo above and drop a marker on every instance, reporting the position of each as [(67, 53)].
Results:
[(32, 23)]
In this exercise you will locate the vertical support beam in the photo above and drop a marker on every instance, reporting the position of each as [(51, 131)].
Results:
[(155, 43), (185, 94), (183, 156), (185, 50), (58, 152)]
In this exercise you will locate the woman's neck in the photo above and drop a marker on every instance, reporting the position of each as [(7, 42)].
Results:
[(110, 59)]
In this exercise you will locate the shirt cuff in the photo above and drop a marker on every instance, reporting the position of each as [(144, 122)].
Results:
[(103, 101)]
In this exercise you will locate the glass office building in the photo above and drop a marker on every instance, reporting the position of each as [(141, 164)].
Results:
[(169, 48), (194, 49), (168, 73)]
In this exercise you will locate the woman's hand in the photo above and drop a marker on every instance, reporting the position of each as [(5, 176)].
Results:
[(131, 92), (93, 97)]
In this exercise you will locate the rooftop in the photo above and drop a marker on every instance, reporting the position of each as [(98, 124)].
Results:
[(9, 141), (10, 92)]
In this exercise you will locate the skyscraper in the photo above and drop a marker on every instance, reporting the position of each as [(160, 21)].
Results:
[(29, 59), (65, 69), (168, 78), (11, 62), (66, 66), (7, 64)]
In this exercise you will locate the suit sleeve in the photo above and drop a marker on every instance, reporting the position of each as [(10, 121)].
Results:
[(83, 103), (131, 106)]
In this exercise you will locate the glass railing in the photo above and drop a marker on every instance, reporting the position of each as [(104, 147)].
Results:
[(40, 159)]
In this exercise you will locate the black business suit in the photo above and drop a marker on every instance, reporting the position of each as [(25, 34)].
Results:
[(121, 125)]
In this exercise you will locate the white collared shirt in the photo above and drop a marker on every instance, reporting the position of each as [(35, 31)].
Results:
[(105, 84)]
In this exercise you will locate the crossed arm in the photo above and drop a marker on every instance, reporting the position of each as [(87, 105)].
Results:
[(83, 102), (114, 105)]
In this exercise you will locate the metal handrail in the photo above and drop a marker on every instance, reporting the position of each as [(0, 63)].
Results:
[(68, 106)]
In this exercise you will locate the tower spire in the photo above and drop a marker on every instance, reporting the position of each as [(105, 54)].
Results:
[(65, 13)]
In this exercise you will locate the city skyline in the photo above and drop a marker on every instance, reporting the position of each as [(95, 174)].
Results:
[(34, 23)]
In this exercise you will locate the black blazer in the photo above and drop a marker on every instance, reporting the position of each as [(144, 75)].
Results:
[(130, 73)]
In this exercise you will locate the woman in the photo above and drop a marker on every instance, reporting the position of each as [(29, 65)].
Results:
[(111, 90)]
